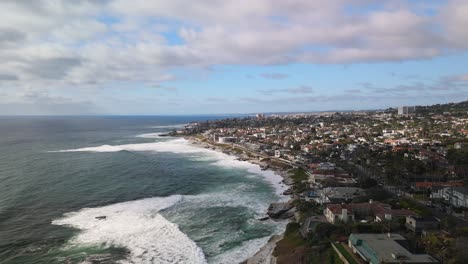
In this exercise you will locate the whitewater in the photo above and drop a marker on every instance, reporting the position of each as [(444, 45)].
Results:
[(137, 226), (140, 226)]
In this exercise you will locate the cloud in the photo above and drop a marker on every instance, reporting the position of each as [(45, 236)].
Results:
[(70, 108), (52, 68), (274, 76), (301, 90), (346, 101), (131, 45), (8, 77), (451, 83), (354, 91), (40, 102), (295, 90), (463, 77), (10, 37), (169, 89), (80, 43), (215, 100), (455, 79)]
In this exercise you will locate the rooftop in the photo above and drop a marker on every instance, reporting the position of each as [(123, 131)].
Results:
[(425, 218), (381, 248)]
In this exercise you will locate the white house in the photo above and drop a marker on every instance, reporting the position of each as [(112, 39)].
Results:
[(339, 212), (457, 196)]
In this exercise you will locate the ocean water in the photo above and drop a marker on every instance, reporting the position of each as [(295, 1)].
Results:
[(164, 199)]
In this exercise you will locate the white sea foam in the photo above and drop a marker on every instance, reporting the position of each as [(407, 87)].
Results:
[(181, 145), (151, 135), (175, 145), (170, 126), (273, 178), (247, 249), (141, 243), (237, 196), (137, 226), (239, 254)]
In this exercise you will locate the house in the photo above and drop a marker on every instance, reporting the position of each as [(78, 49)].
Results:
[(392, 214), (457, 196), (338, 194), (418, 224), (424, 185), (375, 211), (326, 166), (385, 248), (281, 153), (339, 213), (227, 140)]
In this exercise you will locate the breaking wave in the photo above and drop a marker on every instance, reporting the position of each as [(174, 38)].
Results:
[(147, 225), (137, 226), (151, 135), (169, 126), (181, 145)]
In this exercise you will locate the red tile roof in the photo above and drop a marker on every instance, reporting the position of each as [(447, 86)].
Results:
[(375, 208)]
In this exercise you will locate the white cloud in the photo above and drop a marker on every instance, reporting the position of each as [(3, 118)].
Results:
[(59, 43)]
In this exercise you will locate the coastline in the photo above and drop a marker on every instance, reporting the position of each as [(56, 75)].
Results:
[(265, 253)]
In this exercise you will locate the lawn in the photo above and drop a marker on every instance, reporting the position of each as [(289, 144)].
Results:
[(417, 208), (345, 253), (293, 249), (299, 175)]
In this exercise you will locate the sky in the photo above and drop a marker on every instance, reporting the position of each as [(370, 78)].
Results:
[(177, 57)]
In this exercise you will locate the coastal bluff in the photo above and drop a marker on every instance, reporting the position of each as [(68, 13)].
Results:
[(281, 210)]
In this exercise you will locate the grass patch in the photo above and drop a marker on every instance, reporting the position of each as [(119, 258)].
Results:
[(298, 175), (294, 249), (417, 208), (237, 150), (421, 197), (345, 253), (292, 239), (462, 231), (334, 258)]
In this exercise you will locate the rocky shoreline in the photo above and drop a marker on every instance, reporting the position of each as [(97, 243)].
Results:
[(276, 211)]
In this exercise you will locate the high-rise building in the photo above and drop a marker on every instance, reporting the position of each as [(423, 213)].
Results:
[(406, 110)]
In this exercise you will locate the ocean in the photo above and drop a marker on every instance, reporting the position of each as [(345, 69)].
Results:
[(80, 189)]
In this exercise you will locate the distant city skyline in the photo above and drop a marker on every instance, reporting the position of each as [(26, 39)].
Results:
[(216, 57)]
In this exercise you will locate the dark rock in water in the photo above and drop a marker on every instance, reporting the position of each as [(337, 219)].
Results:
[(103, 217), (288, 192), (264, 218), (164, 135), (276, 210), (288, 214)]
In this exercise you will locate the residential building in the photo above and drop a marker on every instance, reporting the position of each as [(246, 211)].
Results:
[(281, 153), (456, 196), (385, 248), (418, 224), (227, 139), (338, 194), (374, 211)]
